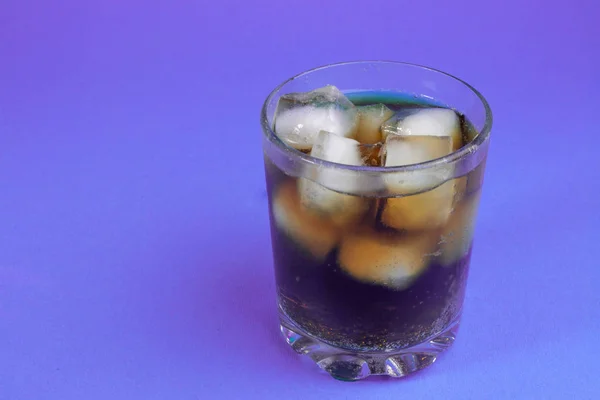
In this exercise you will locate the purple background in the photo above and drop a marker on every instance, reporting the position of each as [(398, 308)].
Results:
[(134, 248)]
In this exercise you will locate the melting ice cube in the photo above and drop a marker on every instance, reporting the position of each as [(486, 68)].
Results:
[(301, 116), (377, 258), (322, 195), (429, 209), (406, 150), (371, 118), (426, 122), (314, 234)]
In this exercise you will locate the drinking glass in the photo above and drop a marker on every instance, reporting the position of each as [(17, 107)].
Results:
[(337, 303)]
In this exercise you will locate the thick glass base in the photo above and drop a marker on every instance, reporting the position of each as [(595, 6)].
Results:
[(348, 365)]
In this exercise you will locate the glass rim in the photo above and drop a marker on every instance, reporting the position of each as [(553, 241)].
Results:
[(459, 154)]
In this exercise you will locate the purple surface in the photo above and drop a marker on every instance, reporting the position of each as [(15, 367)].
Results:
[(134, 249)]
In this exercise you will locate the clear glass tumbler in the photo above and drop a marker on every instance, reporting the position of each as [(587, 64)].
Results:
[(344, 295)]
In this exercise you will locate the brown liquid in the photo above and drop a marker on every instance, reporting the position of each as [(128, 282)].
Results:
[(328, 302)]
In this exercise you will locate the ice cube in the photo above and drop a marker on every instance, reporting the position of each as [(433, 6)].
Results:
[(340, 150), (457, 234), (322, 195), (341, 209), (406, 150), (390, 126), (371, 118), (427, 210), (331, 147), (426, 122), (316, 235), (301, 116), (377, 258)]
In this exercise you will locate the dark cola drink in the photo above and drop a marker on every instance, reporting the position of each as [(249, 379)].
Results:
[(369, 261)]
